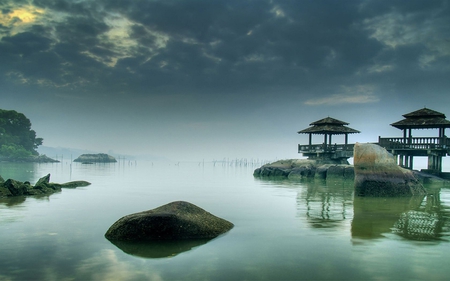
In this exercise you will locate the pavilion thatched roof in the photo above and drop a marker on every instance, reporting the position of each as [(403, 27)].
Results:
[(329, 126), (422, 119)]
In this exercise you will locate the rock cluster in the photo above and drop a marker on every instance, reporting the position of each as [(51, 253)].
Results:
[(95, 158), (377, 174), (43, 186), (305, 168), (174, 221)]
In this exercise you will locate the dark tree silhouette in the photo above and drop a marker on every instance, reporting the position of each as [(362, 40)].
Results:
[(17, 139)]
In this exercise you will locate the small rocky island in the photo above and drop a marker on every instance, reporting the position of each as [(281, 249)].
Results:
[(95, 158), (43, 186)]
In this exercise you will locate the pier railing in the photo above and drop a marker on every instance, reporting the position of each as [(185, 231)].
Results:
[(415, 143), (321, 148)]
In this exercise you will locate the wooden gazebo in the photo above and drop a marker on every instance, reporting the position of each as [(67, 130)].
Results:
[(327, 127), (406, 147)]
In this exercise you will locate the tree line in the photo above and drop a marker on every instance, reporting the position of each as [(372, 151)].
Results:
[(17, 139)]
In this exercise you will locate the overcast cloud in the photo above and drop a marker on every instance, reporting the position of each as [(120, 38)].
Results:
[(210, 79)]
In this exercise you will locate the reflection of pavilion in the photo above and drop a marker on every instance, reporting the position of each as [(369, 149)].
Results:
[(410, 217), (329, 205), (426, 223), (326, 206)]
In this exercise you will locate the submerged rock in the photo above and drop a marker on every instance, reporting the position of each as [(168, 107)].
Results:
[(377, 174), (16, 188), (95, 158), (43, 186), (174, 221)]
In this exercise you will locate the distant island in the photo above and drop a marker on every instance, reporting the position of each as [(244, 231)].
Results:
[(32, 159), (18, 142), (95, 158)]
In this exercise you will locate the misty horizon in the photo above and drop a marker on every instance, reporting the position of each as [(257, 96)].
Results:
[(196, 80)]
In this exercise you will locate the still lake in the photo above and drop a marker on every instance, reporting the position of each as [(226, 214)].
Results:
[(284, 230)]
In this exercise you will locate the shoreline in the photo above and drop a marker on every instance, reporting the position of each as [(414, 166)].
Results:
[(309, 169)]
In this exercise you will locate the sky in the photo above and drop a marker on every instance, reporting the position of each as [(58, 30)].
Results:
[(201, 79)]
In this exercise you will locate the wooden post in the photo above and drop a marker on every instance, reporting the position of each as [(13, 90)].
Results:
[(410, 136), (329, 140), (431, 163), (346, 142)]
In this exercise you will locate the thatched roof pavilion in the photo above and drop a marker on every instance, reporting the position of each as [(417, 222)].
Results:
[(328, 127), (423, 119), (408, 146)]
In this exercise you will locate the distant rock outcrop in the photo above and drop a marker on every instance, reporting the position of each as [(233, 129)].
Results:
[(95, 158), (43, 186), (304, 169), (377, 174), (32, 159), (174, 221)]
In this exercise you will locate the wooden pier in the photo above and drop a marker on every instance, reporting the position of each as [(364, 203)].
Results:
[(406, 147), (403, 148)]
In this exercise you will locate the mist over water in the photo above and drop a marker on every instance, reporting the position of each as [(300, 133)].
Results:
[(284, 230)]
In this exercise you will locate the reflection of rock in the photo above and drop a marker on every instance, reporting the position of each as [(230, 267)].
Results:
[(158, 249), (377, 174), (95, 158), (43, 186), (174, 221), (374, 216), (12, 201), (305, 168)]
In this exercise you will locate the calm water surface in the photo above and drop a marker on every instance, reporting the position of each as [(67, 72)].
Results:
[(283, 230)]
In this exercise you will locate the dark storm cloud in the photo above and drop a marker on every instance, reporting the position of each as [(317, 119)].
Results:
[(195, 46), (224, 74)]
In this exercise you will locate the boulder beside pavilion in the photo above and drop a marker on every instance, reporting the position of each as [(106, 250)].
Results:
[(377, 174)]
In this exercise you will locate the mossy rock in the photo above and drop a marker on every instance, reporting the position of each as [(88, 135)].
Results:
[(174, 221)]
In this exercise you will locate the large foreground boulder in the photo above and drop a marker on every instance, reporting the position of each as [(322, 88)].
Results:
[(174, 221), (377, 174)]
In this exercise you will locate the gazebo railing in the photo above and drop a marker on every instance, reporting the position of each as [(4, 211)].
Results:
[(321, 148), (415, 143)]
